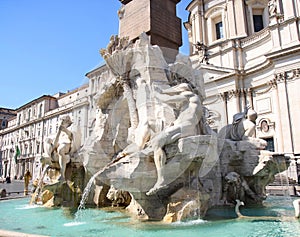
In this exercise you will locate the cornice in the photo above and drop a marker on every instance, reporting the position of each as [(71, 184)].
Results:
[(41, 98), (261, 35), (283, 52)]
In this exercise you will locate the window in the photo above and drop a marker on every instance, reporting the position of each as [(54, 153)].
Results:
[(216, 27), (30, 148), (219, 30), (29, 114), (3, 124), (258, 23), (40, 110), (260, 17), (38, 148), (270, 144), (19, 119)]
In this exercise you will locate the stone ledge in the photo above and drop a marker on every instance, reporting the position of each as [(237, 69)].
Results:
[(17, 234)]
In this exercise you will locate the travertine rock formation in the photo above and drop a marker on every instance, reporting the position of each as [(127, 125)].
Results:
[(152, 143)]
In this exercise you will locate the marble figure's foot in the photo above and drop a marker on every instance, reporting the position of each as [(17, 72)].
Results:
[(155, 189)]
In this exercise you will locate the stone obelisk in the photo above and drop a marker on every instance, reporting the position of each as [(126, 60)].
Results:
[(157, 18)]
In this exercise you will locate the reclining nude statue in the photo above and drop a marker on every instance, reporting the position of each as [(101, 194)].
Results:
[(190, 112), (242, 127)]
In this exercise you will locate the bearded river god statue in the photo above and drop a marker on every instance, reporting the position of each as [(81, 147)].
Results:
[(151, 141)]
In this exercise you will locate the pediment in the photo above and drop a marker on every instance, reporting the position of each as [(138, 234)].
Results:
[(257, 3)]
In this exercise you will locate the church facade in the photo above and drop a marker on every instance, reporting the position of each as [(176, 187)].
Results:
[(249, 53)]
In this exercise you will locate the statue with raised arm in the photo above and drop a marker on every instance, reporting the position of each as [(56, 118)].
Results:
[(65, 139), (272, 7), (189, 107)]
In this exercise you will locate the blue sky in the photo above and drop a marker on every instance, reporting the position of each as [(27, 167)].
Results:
[(47, 46)]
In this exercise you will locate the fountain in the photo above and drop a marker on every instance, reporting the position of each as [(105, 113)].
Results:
[(151, 161), (151, 149)]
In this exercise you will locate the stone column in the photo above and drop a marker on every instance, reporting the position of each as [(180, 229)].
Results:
[(240, 18), (251, 19), (194, 34), (278, 129), (284, 113), (224, 97), (288, 9), (230, 21)]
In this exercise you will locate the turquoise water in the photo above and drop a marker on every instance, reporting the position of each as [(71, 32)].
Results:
[(18, 215)]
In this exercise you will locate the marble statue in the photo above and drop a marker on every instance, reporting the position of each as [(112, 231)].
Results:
[(237, 208), (189, 115), (243, 125), (239, 188), (202, 51), (63, 143), (118, 197), (66, 143), (242, 128), (272, 7)]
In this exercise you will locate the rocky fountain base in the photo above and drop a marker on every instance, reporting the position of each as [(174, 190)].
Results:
[(151, 149)]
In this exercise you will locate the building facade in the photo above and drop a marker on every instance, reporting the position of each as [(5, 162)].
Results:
[(249, 52), (5, 116), (22, 142)]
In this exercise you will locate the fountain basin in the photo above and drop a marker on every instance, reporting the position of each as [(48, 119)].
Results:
[(18, 215)]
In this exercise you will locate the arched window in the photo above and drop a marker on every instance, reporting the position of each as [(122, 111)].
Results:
[(216, 24)]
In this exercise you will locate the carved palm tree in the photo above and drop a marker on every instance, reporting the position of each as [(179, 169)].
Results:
[(119, 61), (128, 93)]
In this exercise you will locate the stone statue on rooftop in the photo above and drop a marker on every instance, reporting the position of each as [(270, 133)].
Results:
[(272, 7)]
